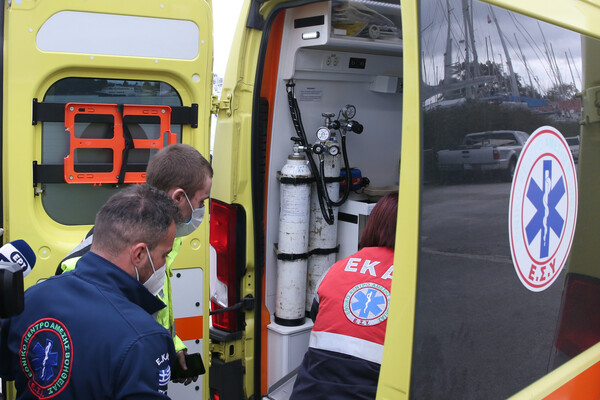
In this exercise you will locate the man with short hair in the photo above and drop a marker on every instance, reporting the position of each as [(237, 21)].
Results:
[(89, 333), (186, 176)]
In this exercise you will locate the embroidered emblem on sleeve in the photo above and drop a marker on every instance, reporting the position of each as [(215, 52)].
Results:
[(46, 357), (164, 376), (367, 304)]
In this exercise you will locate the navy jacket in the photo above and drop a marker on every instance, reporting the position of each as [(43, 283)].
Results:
[(328, 375), (88, 334)]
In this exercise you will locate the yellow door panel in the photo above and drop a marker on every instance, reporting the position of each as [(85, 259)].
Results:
[(154, 57), (394, 378)]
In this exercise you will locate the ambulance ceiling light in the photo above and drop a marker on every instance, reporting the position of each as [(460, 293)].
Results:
[(310, 35)]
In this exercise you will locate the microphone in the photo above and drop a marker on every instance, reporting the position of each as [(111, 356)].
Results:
[(16, 261), (18, 252)]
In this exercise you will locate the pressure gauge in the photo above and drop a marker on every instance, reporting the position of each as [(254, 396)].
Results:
[(323, 133), (349, 111), (333, 150), (318, 149)]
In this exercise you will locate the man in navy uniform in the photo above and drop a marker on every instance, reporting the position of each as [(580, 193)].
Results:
[(90, 333), (186, 176)]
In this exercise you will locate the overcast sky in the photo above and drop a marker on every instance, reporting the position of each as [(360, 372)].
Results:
[(518, 31), (225, 14)]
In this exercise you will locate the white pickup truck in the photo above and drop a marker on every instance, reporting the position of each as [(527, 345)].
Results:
[(493, 152)]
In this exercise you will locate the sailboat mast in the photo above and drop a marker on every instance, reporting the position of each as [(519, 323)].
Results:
[(448, 53), (575, 65), (468, 88), (525, 63), (472, 39), (558, 75), (571, 71), (552, 74), (513, 79)]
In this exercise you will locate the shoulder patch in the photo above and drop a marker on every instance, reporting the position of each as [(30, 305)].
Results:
[(46, 357)]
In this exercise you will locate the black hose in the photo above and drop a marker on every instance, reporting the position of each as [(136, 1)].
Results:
[(298, 126), (348, 177)]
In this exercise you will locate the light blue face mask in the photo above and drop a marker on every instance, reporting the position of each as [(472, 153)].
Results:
[(185, 228)]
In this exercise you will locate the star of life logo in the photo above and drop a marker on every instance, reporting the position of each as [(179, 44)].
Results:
[(46, 357), (367, 304), (543, 209)]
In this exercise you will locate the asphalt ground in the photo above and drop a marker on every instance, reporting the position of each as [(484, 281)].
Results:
[(480, 334)]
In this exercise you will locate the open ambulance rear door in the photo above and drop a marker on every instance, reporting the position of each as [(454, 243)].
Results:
[(91, 90)]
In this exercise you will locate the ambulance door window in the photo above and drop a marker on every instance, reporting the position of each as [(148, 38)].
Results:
[(484, 330), (77, 204)]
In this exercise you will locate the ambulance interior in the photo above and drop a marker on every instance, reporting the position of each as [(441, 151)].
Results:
[(343, 62)]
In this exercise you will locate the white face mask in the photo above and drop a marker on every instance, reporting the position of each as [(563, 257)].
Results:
[(155, 283), (185, 228)]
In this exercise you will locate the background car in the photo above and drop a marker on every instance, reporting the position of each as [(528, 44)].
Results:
[(573, 142)]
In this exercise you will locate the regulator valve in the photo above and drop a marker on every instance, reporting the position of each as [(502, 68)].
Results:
[(297, 147)]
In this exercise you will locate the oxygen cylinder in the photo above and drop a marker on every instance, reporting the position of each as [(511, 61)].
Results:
[(322, 236), (295, 180)]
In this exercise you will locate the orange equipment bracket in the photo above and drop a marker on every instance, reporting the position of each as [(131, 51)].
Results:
[(119, 144)]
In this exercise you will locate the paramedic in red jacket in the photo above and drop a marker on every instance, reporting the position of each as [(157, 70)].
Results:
[(351, 308)]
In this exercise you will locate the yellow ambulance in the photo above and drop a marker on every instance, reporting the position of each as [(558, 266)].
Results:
[(495, 288)]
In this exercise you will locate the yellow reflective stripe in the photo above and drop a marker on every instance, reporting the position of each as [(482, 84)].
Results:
[(165, 316), (69, 265), (179, 346)]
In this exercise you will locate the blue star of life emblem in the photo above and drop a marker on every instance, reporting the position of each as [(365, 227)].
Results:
[(543, 209), (367, 304), (546, 218), (44, 359)]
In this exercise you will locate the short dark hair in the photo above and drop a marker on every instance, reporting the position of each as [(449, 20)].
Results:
[(380, 230), (178, 165), (138, 213)]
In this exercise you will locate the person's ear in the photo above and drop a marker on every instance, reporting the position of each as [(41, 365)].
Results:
[(138, 254), (178, 195)]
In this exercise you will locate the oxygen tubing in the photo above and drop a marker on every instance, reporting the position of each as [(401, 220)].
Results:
[(298, 126)]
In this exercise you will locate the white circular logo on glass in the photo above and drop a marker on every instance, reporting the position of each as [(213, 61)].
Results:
[(367, 304), (543, 209)]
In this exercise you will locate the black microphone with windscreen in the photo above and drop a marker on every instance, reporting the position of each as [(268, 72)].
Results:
[(16, 261)]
